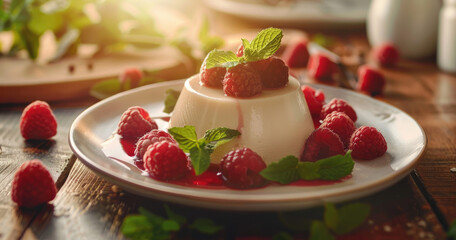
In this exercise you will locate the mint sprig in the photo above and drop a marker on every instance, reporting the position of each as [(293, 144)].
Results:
[(201, 149), (263, 46), (290, 169)]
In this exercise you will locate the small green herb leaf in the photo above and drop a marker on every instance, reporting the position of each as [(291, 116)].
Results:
[(218, 136), (217, 58), (308, 171), (331, 216), (284, 171), (153, 218), (264, 45), (201, 159), (318, 231), (170, 225), (137, 227), (335, 167), (105, 88), (206, 226), (185, 136), (181, 220), (351, 216), (171, 97)]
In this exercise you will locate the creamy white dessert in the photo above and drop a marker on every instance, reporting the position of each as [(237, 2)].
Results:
[(274, 124)]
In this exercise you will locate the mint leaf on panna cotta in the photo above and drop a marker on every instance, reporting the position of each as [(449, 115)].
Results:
[(290, 169), (218, 58), (201, 149)]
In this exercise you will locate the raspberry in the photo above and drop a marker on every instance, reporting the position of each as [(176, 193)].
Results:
[(296, 55), (386, 55), (340, 124), (135, 122), (212, 77), (261, 65), (320, 96), (338, 105), (150, 138), (165, 161), (367, 143), (242, 81), (130, 78), (312, 102), (322, 143), (321, 67), (32, 185), (240, 51), (38, 121), (370, 80), (275, 75), (241, 169)]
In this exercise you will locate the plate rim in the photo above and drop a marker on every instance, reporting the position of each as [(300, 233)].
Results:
[(135, 187)]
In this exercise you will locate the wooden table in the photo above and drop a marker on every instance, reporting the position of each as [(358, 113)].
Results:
[(421, 206)]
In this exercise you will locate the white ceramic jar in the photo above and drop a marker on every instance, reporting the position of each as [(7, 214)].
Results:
[(411, 25), (446, 51)]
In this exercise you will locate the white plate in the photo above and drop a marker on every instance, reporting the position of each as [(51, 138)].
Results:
[(300, 13), (406, 142)]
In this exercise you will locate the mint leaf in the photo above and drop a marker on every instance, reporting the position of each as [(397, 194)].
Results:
[(331, 216), (217, 58), (308, 170), (185, 136), (181, 220), (206, 226), (153, 218), (451, 234), (335, 167), (318, 231), (351, 216), (218, 136), (137, 227), (170, 225), (264, 45), (201, 159), (284, 171), (106, 88), (171, 97), (245, 43)]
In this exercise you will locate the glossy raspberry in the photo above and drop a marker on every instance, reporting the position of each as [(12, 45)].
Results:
[(38, 121), (367, 143), (241, 167), (261, 65), (322, 143), (338, 105), (240, 51), (212, 77), (165, 161), (275, 75), (370, 80), (386, 55), (135, 122), (312, 102), (242, 81), (130, 78), (320, 96), (296, 54), (150, 138), (32, 185), (321, 67), (340, 124)]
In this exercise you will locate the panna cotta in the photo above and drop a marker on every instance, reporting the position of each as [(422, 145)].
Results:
[(274, 124)]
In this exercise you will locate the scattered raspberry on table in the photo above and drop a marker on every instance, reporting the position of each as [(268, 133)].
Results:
[(38, 121)]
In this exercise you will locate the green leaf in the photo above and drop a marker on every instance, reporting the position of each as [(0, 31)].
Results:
[(351, 216), (282, 236), (185, 136), (331, 216), (451, 234), (284, 171), (170, 225), (335, 167), (152, 218), (206, 226), (137, 227), (318, 231), (208, 42), (217, 58), (171, 97), (41, 22), (181, 220), (245, 43), (308, 170), (201, 159), (218, 136), (105, 88), (264, 45)]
